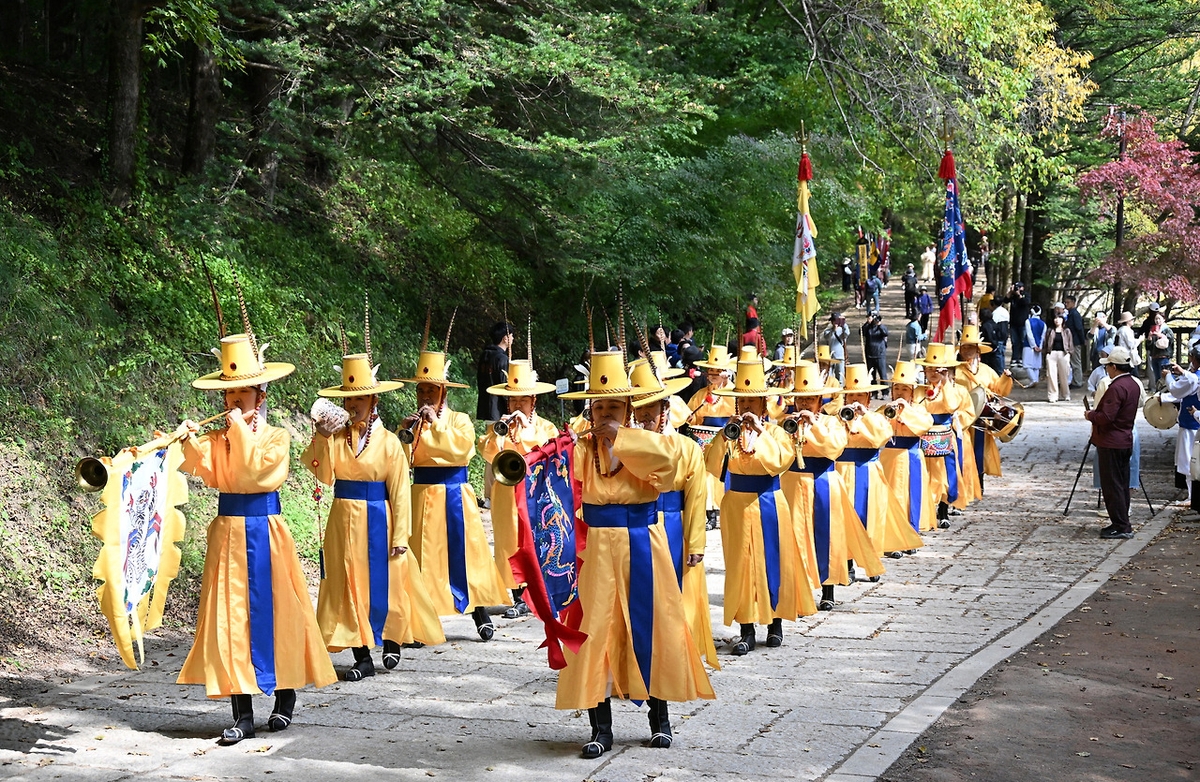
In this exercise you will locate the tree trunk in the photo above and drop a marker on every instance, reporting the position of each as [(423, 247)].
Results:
[(124, 90), (265, 81), (1015, 245), (1001, 254), (202, 111)]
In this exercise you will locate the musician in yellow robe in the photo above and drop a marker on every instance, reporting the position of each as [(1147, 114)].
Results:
[(256, 631), (910, 501), (709, 409), (862, 471), (821, 507), (952, 411), (524, 431), (372, 592), (448, 536), (638, 642), (766, 578), (973, 372), (779, 405), (680, 510)]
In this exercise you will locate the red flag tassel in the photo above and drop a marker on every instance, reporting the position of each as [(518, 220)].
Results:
[(805, 173), (947, 170)]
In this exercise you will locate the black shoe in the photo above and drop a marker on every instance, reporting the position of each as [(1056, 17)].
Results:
[(391, 654), (483, 623), (363, 665), (661, 736), (1115, 535), (484, 503), (825, 605), (281, 715), (517, 610), (745, 643), (895, 555), (911, 551), (412, 645), (874, 579), (243, 721), (711, 520), (943, 524), (851, 572), (602, 738), (774, 634)]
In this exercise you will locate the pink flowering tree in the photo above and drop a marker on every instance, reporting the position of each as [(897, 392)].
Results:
[(1160, 181)]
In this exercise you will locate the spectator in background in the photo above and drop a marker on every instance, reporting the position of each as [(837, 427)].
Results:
[(1101, 336), (673, 357), (1112, 434), (1000, 318), (1160, 345), (752, 307), (1018, 312), (835, 336), (1056, 348), (914, 338), (1074, 322), (754, 337), (787, 338), (872, 293), (927, 271), (688, 335), (1031, 346), (847, 275), (1126, 338), (924, 307), (492, 370), (987, 332), (875, 344), (909, 281), (987, 300)]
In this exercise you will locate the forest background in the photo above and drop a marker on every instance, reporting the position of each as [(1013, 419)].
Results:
[(505, 157)]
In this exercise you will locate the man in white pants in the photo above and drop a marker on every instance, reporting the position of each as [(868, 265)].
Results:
[(1183, 386)]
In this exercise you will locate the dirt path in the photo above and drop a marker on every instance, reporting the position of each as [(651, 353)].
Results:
[(1110, 693)]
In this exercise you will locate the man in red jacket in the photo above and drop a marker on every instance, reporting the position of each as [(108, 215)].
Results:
[(1112, 434)]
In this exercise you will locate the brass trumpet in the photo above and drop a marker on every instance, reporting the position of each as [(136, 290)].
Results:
[(502, 427), (409, 434), (91, 474), (790, 425), (510, 467), (890, 410), (847, 413)]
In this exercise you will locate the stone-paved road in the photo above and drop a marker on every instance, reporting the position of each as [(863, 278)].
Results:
[(475, 711)]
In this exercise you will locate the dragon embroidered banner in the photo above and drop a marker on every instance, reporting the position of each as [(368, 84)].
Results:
[(547, 503), (140, 527)]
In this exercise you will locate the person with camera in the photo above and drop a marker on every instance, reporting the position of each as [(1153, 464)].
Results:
[(835, 336), (1019, 305), (875, 344)]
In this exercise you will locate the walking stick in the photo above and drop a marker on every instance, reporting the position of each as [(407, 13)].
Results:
[(1145, 493), (1087, 449)]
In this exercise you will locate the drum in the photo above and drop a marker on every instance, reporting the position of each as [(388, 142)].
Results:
[(1160, 415), (979, 400), (1009, 431), (938, 441), (998, 414), (703, 434)]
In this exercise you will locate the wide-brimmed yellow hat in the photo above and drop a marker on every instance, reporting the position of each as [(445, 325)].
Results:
[(749, 380), (431, 368), (971, 336), (358, 379), (665, 370), (940, 355), (241, 366), (606, 379), (654, 388), (905, 374), (808, 381), (858, 380), (718, 358), (522, 381), (823, 353), (789, 356)]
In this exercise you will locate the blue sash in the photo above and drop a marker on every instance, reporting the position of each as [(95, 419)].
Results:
[(861, 457), (254, 510), (819, 468), (453, 478), (765, 487), (942, 419), (978, 440), (375, 494), (714, 420), (1186, 420), (637, 519), (916, 486), (670, 505)]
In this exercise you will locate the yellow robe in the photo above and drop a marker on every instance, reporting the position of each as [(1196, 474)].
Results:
[(712, 412), (228, 645), (504, 504), (985, 376), (846, 538), (449, 442), (954, 400), (692, 484), (344, 606), (870, 432), (745, 534), (897, 469), (649, 463)]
